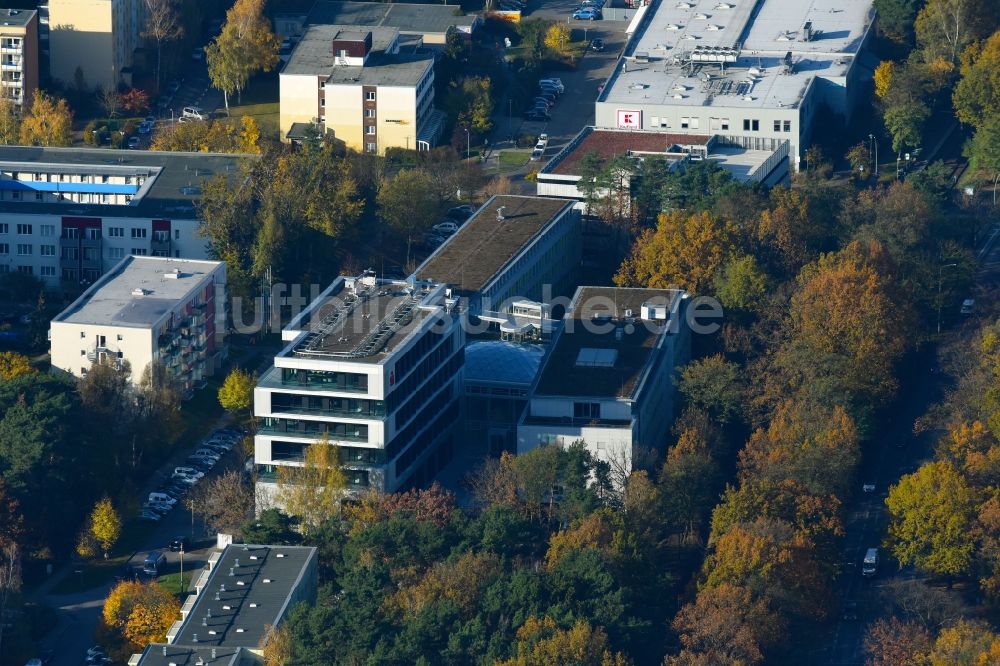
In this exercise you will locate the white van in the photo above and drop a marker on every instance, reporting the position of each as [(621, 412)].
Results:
[(194, 112), (870, 564), (161, 498)]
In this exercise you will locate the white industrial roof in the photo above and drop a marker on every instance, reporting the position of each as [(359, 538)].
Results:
[(762, 32), (114, 300)]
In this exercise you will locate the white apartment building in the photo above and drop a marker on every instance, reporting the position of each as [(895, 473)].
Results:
[(608, 379), (147, 309), (753, 72), (361, 85), (374, 366), (67, 215), (19, 66), (98, 37)]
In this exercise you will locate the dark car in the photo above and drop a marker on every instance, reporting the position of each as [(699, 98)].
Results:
[(178, 544), (536, 114), (597, 45), (851, 611), (462, 212)]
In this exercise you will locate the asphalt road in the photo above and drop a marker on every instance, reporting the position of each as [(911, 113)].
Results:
[(897, 451)]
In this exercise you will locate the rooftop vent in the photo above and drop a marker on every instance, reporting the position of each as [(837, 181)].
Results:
[(139, 292), (652, 311), (701, 16), (807, 32), (500, 210), (173, 274)]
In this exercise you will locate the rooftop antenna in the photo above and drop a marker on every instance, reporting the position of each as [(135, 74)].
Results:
[(500, 210)]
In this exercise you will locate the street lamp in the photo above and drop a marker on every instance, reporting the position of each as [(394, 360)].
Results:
[(873, 142), (940, 273), (468, 145), (182, 568)]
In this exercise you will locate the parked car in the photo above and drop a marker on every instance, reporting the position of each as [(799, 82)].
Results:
[(536, 154), (597, 45), (150, 516), (851, 611), (553, 81), (462, 212), (194, 112), (587, 14), (208, 453), (134, 142), (968, 305), (445, 228), (536, 114), (156, 507), (178, 544), (198, 54), (190, 471), (144, 127), (434, 240), (549, 96)]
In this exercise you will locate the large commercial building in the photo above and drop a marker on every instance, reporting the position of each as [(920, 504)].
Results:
[(372, 366), (245, 594), (608, 379), (68, 215), (19, 66), (359, 84), (96, 37), (753, 72), (146, 309)]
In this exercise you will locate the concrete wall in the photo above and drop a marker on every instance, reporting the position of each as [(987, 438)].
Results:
[(397, 118), (97, 36), (71, 342), (343, 114), (298, 100)]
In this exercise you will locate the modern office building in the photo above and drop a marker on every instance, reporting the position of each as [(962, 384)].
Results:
[(608, 379), (428, 24), (19, 65), (96, 37), (510, 249), (560, 177), (67, 215), (244, 594), (359, 84), (753, 72), (374, 367), (147, 309)]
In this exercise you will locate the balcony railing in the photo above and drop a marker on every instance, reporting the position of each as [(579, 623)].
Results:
[(372, 413), (315, 433)]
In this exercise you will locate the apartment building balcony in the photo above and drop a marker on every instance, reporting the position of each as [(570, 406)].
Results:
[(99, 352), (376, 411), (92, 262), (11, 65), (338, 432), (162, 246), (11, 49), (90, 243), (11, 83)]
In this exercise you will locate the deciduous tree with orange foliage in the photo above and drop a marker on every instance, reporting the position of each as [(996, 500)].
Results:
[(727, 624), (847, 309), (140, 613), (685, 250)]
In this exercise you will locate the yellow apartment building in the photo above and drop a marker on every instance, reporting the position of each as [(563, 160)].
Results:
[(358, 84)]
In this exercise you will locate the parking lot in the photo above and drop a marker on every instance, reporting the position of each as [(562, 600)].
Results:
[(575, 108), (78, 613)]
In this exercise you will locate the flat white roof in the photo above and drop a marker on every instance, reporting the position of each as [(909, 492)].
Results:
[(657, 68), (111, 302)]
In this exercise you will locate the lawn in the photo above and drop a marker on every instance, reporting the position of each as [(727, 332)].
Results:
[(259, 100), (514, 158), (171, 582)]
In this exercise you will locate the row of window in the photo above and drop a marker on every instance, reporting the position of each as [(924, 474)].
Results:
[(32, 177), (160, 235), (43, 271)]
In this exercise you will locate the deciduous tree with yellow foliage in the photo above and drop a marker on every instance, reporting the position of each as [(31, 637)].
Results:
[(14, 365), (140, 613), (49, 122), (314, 491), (540, 642)]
